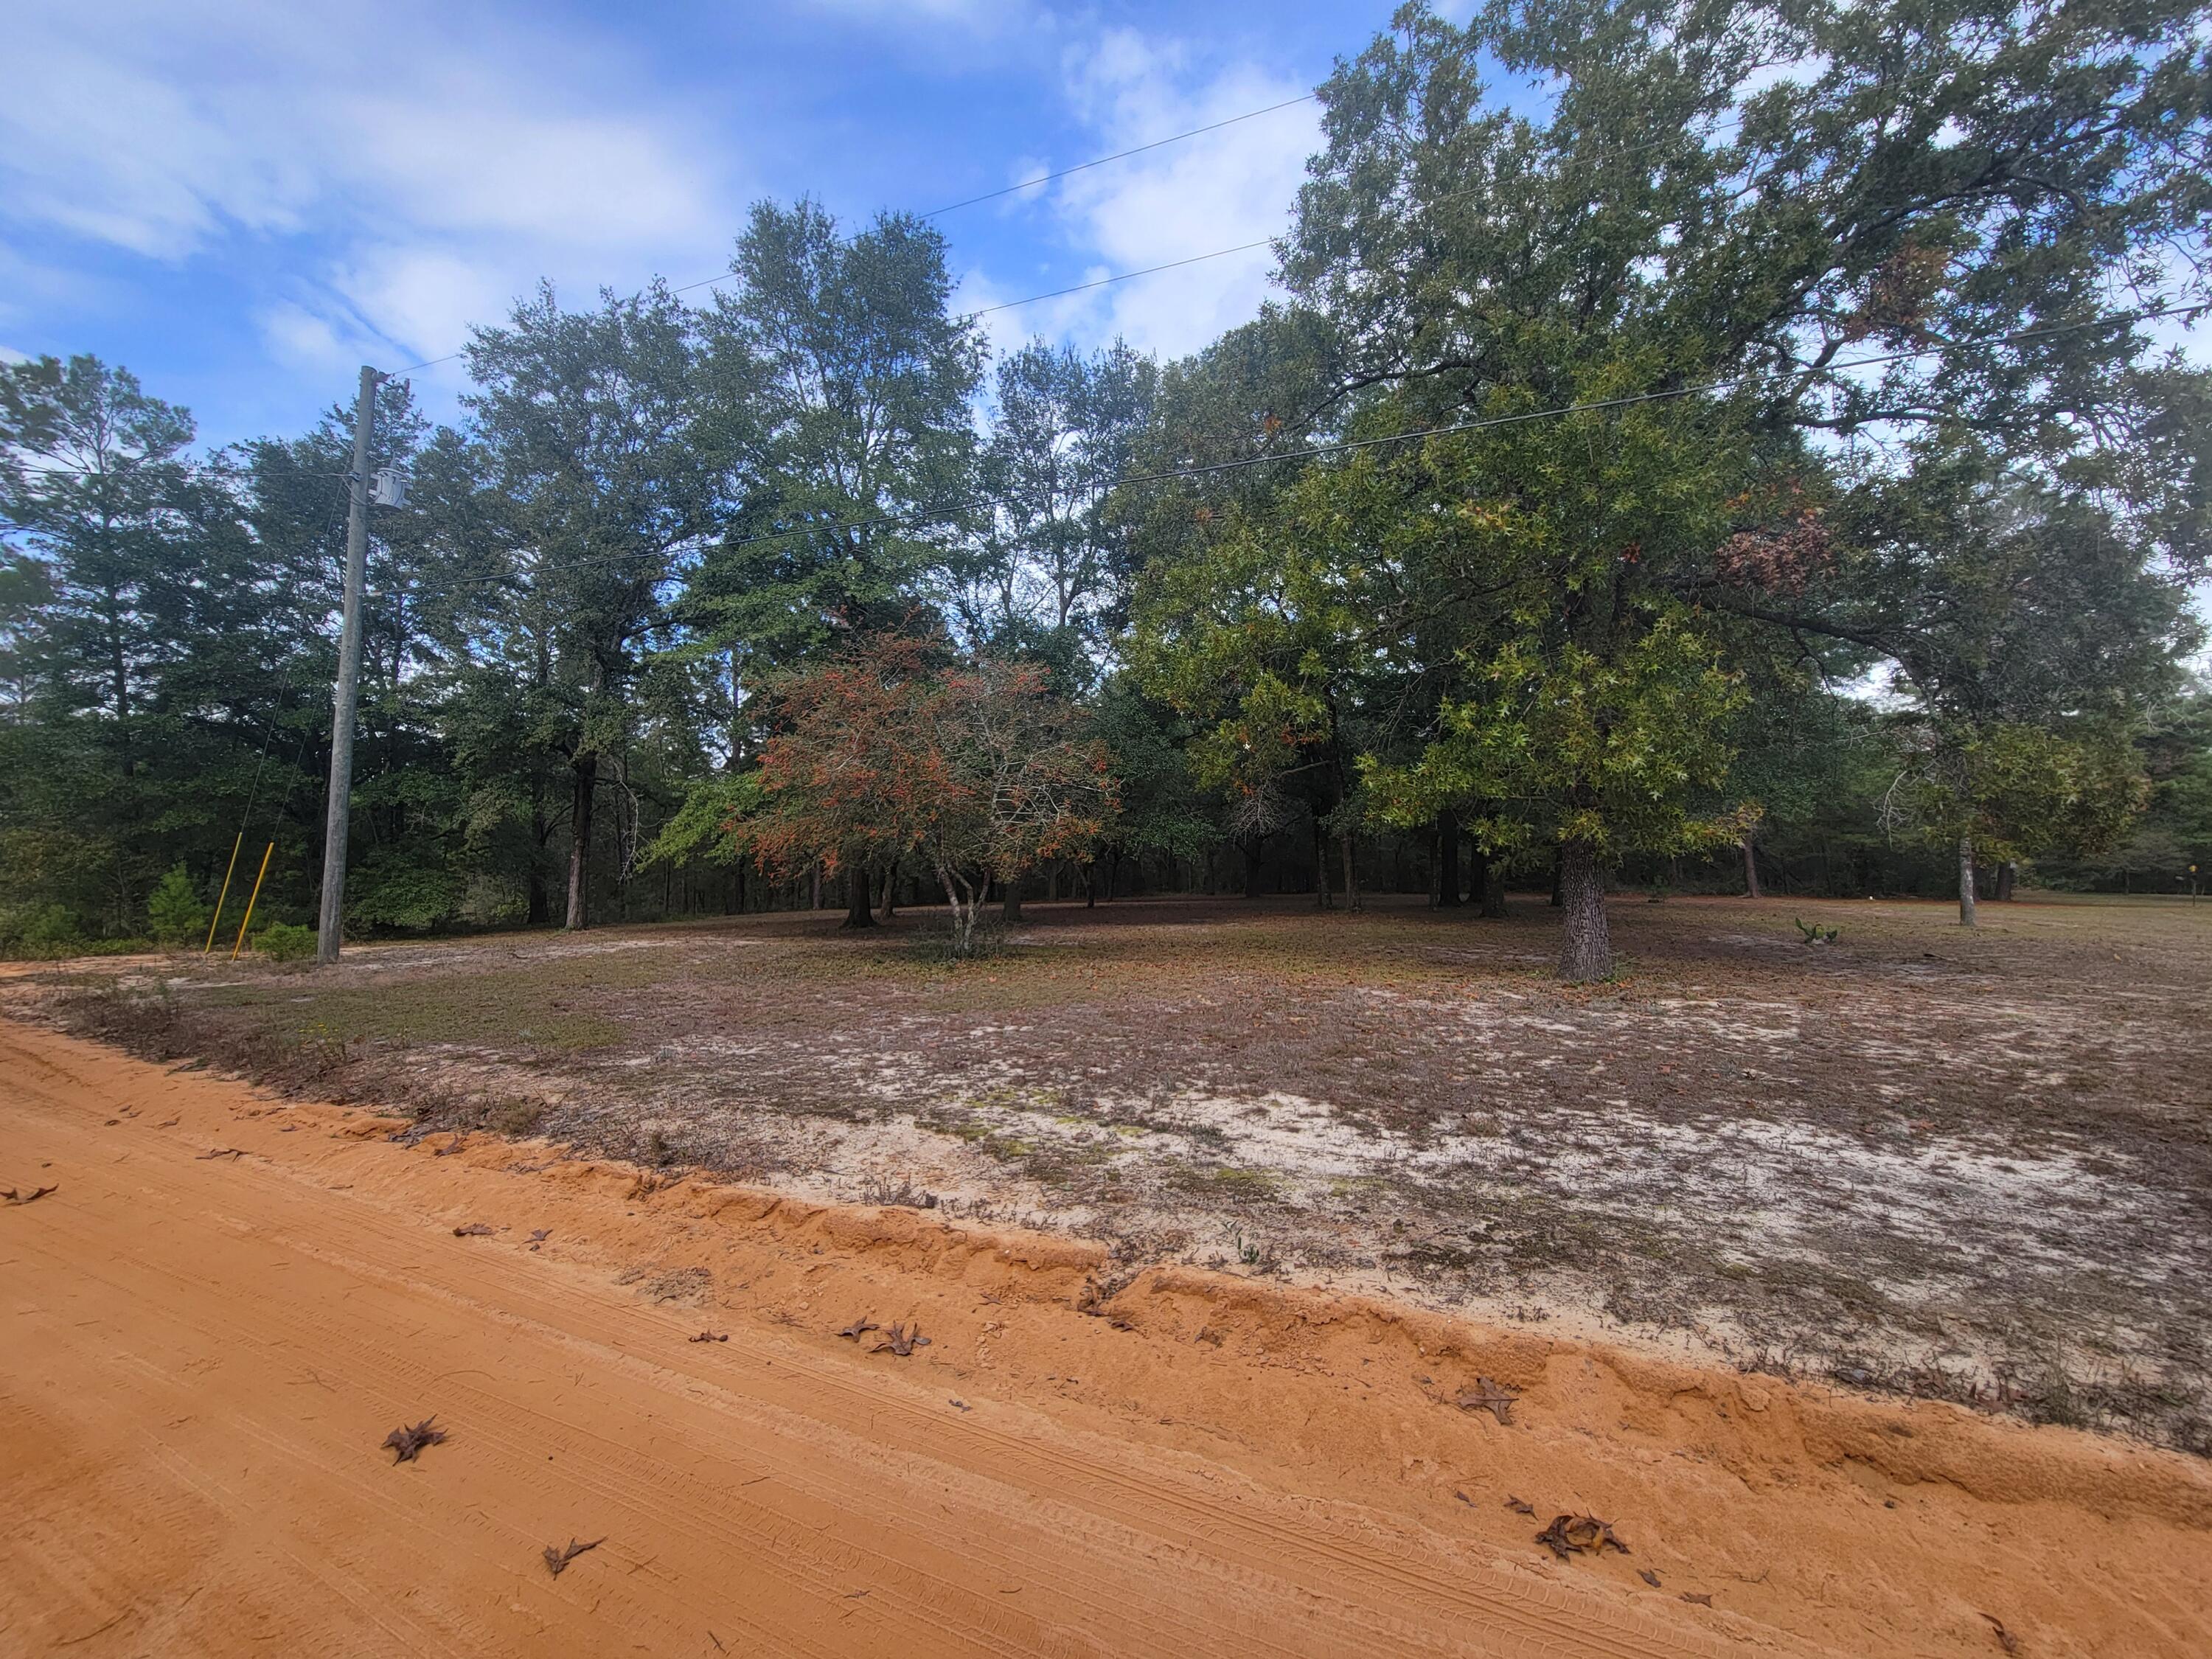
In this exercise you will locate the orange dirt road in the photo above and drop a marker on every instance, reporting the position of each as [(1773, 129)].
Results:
[(228, 1300)]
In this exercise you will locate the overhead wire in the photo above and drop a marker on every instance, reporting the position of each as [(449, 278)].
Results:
[(1038, 182), (1148, 270)]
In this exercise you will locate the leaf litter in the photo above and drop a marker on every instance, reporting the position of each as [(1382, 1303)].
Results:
[(557, 1560), (31, 1197), (902, 1341), (1488, 1396), (1570, 1535), (407, 1441)]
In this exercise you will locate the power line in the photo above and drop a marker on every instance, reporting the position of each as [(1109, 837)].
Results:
[(1346, 446), (1118, 156), (1122, 276), (1172, 264), (993, 195)]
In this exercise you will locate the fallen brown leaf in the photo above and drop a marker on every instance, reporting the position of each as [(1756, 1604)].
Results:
[(31, 1197), (474, 1229), (1647, 1576), (407, 1442), (1488, 1396), (2006, 1639), (902, 1341), (222, 1151), (711, 1336), (541, 1235), (1698, 1596), (859, 1329), (1517, 1503), (557, 1560), (1570, 1535)]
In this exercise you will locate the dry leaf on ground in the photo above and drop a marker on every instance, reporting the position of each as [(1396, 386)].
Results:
[(902, 1341), (557, 1560), (1570, 1535), (474, 1229), (31, 1197), (407, 1442), (859, 1329), (1699, 1596), (710, 1336), (1522, 1504), (1488, 1396)]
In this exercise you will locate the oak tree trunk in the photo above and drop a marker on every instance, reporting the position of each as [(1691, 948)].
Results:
[(1965, 881), (1010, 908), (1448, 896), (2007, 874), (888, 908), (1751, 871), (857, 913), (1350, 875), (1586, 951)]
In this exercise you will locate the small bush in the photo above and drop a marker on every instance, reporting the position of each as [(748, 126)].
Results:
[(38, 930), (285, 941), (515, 1117), (937, 942), (175, 911)]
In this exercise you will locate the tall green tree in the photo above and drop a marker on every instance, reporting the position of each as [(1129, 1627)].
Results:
[(841, 384), (594, 423), (1064, 427), (1690, 247)]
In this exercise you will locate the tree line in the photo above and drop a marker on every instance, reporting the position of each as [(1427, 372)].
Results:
[(1755, 461)]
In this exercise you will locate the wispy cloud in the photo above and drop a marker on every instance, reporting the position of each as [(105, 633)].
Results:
[(433, 171), (1235, 185)]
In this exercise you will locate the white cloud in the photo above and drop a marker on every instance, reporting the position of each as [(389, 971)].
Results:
[(435, 172), (1216, 190), (298, 338)]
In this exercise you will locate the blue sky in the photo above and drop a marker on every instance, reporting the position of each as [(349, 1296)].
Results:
[(242, 201)]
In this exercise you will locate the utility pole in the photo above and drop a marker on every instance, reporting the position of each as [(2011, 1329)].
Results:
[(339, 816)]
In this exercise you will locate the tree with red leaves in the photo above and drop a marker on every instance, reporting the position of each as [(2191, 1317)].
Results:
[(975, 767)]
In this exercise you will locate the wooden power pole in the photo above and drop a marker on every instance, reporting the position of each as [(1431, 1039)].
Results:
[(347, 702)]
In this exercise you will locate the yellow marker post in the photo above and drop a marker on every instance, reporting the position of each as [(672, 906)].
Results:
[(242, 926), (215, 920)]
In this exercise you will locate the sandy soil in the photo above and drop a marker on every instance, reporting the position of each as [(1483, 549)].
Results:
[(227, 1301), (1974, 1166)]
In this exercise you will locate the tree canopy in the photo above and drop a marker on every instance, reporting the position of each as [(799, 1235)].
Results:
[(1688, 438)]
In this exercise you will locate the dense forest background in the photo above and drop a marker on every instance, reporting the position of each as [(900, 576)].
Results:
[(1761, 464)]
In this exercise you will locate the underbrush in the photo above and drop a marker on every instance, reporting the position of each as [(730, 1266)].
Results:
[(151, 1023)]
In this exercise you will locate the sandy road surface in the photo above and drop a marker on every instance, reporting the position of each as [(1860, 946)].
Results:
[(202, 1352)]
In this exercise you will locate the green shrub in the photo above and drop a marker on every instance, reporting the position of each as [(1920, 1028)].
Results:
[(285, 941), (38, 930), (175, 911)]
